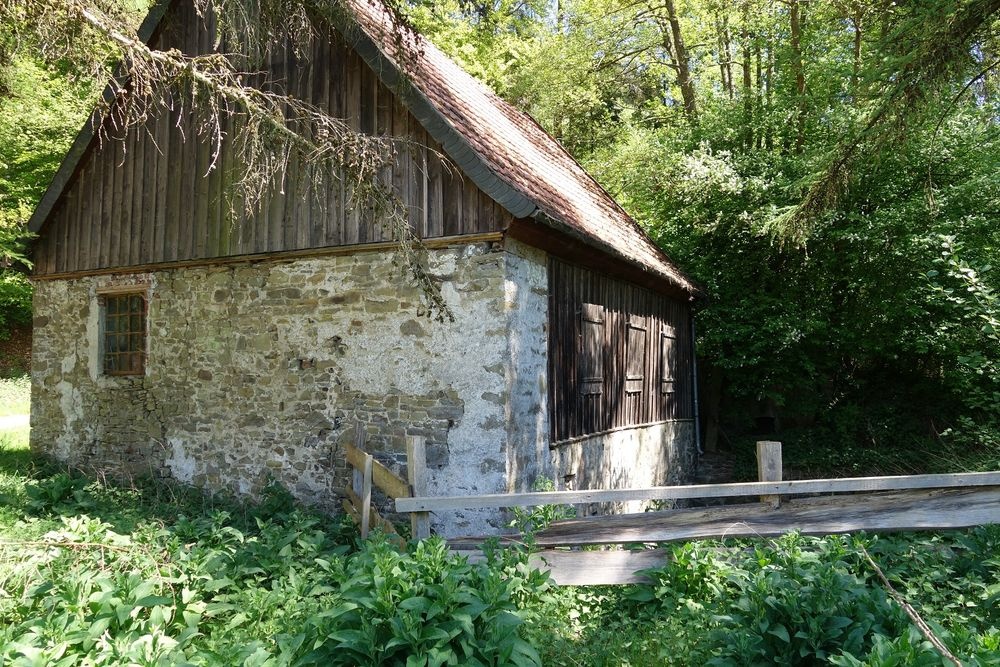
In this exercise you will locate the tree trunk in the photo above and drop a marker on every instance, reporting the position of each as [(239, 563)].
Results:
[(769, 98), (748, 133), (758, 100), (725, 54), (682, 62), (796, 20), (856, 71)]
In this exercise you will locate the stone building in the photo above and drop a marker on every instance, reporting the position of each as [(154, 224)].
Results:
[(174, 339)]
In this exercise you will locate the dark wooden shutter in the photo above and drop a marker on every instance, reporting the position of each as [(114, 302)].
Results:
[(591, 368), (668, 359), (635, 349)]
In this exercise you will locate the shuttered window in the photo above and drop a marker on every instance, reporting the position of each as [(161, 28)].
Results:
[(591, 366), (668, 360), (635, 344)]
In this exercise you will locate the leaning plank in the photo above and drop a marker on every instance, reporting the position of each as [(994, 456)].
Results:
[(905, 510), (377, 520), (385, 479), (590, 568), (740, 489)]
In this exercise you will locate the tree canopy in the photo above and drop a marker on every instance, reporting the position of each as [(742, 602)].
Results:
[(827, 169)]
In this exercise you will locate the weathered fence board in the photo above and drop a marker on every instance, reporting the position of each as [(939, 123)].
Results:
[(740, 489), (904, 510), (591, 568), (382, 477)]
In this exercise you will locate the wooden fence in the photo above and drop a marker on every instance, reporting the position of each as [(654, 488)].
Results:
[(913, 502), (369, 473)]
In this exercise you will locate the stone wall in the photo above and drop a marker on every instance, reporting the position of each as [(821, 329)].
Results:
[(656, 455), (527, 303), (262, 371)]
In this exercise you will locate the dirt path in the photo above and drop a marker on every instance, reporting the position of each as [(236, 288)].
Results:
[(13, 421)]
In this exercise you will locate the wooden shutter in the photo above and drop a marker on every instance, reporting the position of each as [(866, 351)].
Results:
[(591, 356), (668, 361), (635, 349)]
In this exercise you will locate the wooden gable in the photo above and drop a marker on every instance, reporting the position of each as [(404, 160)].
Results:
[(146, 201)]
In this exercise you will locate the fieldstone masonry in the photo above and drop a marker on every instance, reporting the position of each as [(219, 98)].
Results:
[(263, 371)]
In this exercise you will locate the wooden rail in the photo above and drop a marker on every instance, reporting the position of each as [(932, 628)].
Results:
[(914, 502), (735, 490)]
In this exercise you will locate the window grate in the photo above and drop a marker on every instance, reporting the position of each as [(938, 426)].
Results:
[(124, 334)]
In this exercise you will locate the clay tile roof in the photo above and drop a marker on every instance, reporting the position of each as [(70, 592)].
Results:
[(519, 155)]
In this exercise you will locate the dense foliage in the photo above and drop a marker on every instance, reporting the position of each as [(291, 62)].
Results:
[(156, 574), (873, 319)]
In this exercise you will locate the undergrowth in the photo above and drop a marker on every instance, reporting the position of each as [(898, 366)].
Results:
[(159, 574), (156, 574)]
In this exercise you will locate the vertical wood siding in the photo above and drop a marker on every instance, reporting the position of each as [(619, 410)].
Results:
[(592, 314), (148, 200)]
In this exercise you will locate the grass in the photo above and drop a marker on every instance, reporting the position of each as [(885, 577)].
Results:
[(15, 396)]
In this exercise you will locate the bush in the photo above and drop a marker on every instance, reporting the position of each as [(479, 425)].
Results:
[(266, 585), (15, 301)]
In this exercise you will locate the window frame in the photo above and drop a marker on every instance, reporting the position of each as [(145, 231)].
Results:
[(136, 341)]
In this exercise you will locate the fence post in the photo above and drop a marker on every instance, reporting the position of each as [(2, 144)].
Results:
[(366, 496), (357, 475), (416, 472), (769, 468)]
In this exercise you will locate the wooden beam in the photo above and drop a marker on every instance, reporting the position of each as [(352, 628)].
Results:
[(366, 496), (905, 510), (377, 520), (769, 468), (590, 568), (416, 470), (386, 480), (282, 256), (739, 489)]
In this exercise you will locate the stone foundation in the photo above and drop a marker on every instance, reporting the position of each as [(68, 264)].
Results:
[(656, 455)]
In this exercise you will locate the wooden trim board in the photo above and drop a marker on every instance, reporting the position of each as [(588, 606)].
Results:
[(888, 512)]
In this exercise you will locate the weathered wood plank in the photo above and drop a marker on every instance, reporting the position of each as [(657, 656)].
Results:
[(738, 489), (769, 467), (137, 161), (900, 511), (416, 471), (271, 257), (366, 495), (590, 568), (376, 519), (385, 479), (147, 224)]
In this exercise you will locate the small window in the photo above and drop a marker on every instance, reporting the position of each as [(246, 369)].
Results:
[(668, 342), (591, 368), (635, 369), (123, 341)]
